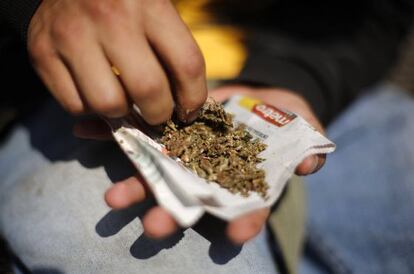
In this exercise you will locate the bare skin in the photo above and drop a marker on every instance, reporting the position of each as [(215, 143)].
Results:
[(157, 222), (74, 44), (102, 56)]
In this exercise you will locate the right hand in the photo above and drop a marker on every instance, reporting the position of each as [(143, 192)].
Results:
[(157, 222), (74, 43)]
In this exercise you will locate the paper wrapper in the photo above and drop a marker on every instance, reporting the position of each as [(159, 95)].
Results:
[(289, 139)]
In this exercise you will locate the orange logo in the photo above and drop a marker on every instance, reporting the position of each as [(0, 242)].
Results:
[(273, 115)]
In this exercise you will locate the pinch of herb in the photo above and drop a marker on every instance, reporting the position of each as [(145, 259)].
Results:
[(216, 150)]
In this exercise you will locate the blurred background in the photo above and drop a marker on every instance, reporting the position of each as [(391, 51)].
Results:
[(217, 44), (402, 75)]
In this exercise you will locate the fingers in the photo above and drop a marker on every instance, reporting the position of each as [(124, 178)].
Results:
[(95, 129), (282, 99), (142, 76), (158, 223), (126, 193), (311, 164), (56, 76), (248, 226), (92, 74), (178, 50), (144, 40)]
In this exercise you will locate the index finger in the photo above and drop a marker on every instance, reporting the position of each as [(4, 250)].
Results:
[(247, 226), (182, 57)]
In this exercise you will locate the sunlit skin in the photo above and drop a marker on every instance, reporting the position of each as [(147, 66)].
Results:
[(101, 57), (157, 222)]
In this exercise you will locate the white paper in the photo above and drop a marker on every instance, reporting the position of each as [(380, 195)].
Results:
[(289, 139)]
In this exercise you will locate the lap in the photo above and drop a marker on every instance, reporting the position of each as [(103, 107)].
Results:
[(361, 203), (54, 217)]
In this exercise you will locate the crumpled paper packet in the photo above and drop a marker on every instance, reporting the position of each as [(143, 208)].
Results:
[(289, 139)]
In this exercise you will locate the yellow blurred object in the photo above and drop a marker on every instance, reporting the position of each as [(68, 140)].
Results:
[(222, 46), (249, 103), (116, 71)]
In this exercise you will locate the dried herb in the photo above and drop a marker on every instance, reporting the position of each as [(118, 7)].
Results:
[(218, 151)]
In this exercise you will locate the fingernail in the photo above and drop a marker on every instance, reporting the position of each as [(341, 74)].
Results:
[(188, 115), (315, 164)]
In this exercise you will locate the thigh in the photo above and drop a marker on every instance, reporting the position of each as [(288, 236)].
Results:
[(54, 217), (361, 203)]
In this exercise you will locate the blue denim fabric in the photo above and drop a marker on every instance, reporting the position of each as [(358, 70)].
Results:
[(361, 205), (54, 217)]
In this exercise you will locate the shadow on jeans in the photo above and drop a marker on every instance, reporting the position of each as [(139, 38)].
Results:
[(221, 250), (50, 130)]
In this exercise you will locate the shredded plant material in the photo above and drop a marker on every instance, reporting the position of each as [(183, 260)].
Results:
[(218, 151)]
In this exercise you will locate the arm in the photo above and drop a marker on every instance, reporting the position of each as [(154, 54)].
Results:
[(326, 53)]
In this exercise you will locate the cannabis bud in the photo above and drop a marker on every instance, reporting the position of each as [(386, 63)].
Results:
[(218, 151)]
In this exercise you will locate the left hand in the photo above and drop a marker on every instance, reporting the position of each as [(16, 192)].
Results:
[(157, 222)]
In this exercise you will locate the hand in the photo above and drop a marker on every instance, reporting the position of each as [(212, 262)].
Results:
[(74, 44), (282, 99), (157, 222)]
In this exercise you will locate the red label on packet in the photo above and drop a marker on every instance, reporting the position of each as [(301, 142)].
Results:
[(273, 115)]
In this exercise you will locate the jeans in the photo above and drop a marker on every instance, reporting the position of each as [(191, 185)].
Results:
[(53, 215), (361, 204)]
